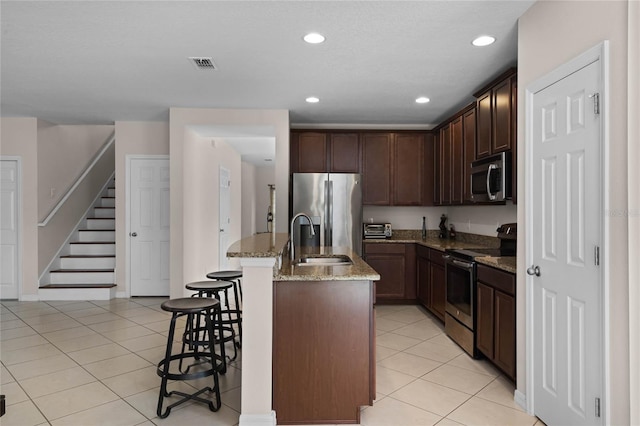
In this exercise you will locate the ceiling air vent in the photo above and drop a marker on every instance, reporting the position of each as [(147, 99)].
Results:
[(203, 63)]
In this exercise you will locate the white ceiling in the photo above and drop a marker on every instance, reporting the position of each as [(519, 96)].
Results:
[(96, 62)]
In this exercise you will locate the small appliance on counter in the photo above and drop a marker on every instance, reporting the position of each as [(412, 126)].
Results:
[(377, 230), (443, 226)]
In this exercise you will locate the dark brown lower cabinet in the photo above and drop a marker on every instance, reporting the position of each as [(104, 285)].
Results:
[(431, 290), (496, 318), (396, 264), (323, 351)]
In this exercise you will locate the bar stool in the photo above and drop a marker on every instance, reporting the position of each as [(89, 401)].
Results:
[(234, 277), (192, 307), (226, 332)]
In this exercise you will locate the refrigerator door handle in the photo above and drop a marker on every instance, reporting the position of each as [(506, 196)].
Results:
[(328, 217)]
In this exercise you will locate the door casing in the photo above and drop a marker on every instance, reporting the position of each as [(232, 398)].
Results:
[(599, 53), (18, 265), (129, 159)]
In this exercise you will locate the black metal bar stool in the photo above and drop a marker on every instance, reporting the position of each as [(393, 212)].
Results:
[(226, 332), (192, 307), (234, 277)]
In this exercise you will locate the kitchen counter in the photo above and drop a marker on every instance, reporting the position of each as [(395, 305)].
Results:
[(504, 263), (463, 241), (358, 271)]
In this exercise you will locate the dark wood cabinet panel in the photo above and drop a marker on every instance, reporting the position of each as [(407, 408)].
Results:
[(483, 141), (469, 146), (423, 280), (501, 119), (505, 336), (437, 169), (428, 195), (376, 168), (445, 164), (457, 160), (315, 323), (312, 152), (484, 319), (345, 153), (408, 152), (438, 289), (396, 264), (496, 318)]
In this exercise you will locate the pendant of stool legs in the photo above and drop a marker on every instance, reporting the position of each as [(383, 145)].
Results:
[(213, 358)]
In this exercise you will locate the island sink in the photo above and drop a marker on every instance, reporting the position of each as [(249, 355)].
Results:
[(323, 260)]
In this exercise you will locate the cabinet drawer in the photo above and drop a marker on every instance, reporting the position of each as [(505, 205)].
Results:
[(384, 248), (436, 257), (500, 280)]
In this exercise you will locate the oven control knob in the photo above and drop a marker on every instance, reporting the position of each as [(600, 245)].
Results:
[(534, 270)]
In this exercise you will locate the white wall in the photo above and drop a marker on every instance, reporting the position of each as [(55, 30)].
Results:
[(550, 34), (482, 220), (264, 177), (19, 137), (184, 233), (63, 154), (132, 138), (248, 227)]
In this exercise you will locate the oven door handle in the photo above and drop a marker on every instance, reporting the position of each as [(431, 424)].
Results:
[(461, 264)]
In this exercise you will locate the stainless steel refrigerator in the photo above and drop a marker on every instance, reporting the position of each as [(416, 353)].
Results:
[(334, 203)]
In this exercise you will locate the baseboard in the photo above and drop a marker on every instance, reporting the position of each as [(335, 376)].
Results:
[(520, 399), (121, 295), (29, 298), (258, 419), (76, 293)]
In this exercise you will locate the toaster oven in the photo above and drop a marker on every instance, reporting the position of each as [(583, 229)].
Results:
[(377, 230)]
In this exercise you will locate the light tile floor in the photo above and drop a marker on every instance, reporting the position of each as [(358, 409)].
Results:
[(93, 362)]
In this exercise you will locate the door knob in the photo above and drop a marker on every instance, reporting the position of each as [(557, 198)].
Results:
[(534, 270), (133, 234)]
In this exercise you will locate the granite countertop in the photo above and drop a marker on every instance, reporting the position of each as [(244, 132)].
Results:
[(462, 241), (259, 245), (358, 271), (270, 245), (505, 263)]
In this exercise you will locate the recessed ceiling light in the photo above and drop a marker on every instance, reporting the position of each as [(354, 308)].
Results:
[(484, 40), (314, 38), (422, 100), (312, 100)]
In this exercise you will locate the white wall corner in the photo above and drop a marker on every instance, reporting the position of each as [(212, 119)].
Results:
[(258, 419), (29, 298), (121, 295)]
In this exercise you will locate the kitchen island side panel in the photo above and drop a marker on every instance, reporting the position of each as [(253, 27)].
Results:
[(322, 351)]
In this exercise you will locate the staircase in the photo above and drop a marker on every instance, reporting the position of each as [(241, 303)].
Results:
[(85, 270)]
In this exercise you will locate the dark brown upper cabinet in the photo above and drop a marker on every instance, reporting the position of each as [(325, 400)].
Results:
[(457, 161), (494, 102), (393, 168), (376, 168), (320, 152), (408, 167), (469, 146)]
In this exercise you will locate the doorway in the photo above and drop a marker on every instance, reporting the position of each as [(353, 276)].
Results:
[(565, 236), (10, 197), (148, 225), (224, 217)]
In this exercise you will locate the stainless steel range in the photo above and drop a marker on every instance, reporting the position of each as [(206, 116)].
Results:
[(460, 270)]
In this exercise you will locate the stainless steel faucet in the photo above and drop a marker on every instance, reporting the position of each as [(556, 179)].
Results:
[(312, 232)]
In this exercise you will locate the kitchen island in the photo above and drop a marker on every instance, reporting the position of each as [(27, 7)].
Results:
[(308, 336)]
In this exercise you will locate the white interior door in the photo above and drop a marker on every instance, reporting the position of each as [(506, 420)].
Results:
[(224, 217), (149, 227), (9, 196), (565, 216)]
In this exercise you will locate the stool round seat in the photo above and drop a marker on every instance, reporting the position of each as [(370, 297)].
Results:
[(189, 305), (224, 275), (208, 286)]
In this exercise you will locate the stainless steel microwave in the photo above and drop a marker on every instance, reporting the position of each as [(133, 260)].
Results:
[(491, 179)]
